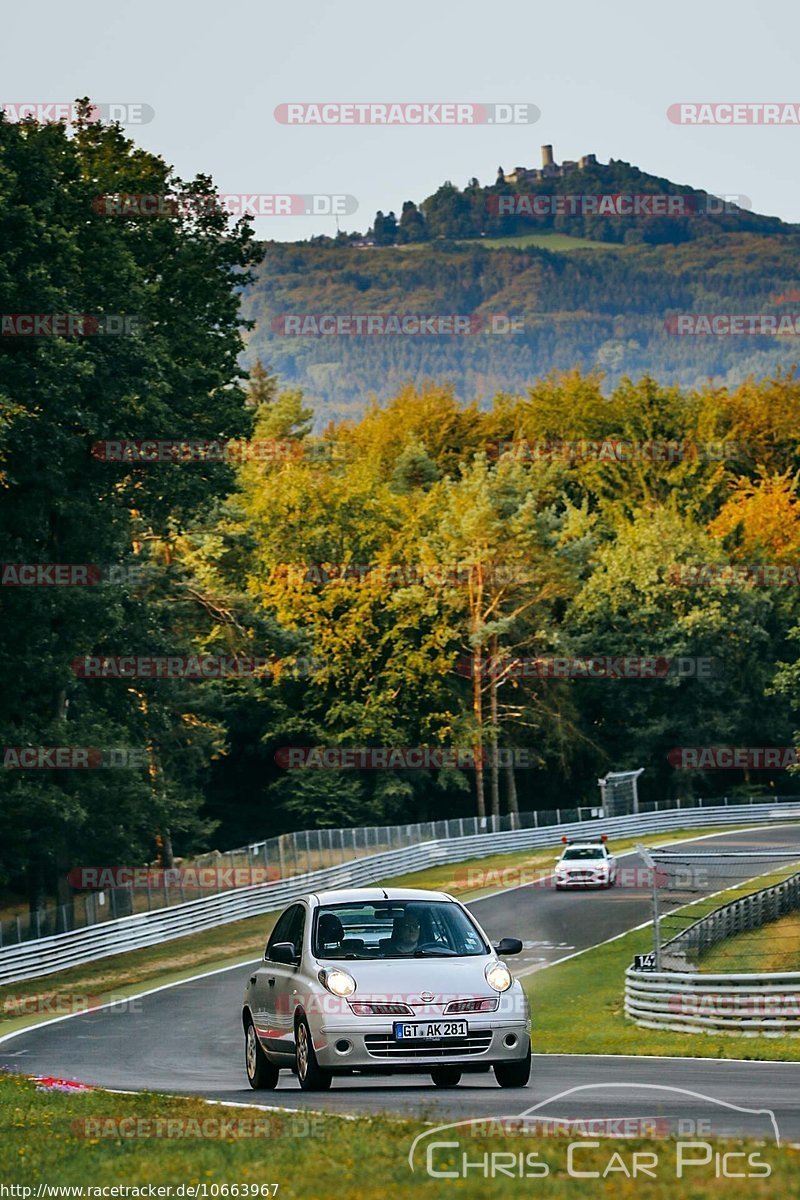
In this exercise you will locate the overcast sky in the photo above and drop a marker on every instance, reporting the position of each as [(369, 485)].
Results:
[(602, 76)]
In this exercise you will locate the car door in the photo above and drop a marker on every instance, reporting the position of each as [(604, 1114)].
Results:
[(277, 984)]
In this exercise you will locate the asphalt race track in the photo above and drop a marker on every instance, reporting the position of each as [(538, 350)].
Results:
[(188, 1038)]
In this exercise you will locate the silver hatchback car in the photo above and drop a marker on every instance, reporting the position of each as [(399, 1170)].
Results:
[(376, 982)]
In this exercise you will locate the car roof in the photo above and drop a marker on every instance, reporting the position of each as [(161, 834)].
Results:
[(585, 846), (368, 895)]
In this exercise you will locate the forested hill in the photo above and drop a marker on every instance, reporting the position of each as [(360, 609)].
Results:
[(607, 202), (605, 309)]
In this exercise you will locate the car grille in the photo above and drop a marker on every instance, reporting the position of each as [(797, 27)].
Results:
[(382, 1045)]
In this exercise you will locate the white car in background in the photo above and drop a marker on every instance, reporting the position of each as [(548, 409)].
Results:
[(586, 862), (376, 982)]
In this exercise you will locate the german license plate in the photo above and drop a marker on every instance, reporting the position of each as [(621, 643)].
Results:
[(429, 1031)]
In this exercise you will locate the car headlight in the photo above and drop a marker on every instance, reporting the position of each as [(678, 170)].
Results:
[(338, 982), (498, 976)]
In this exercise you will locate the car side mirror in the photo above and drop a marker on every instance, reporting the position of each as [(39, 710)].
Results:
[(284, 952), (509, 946)]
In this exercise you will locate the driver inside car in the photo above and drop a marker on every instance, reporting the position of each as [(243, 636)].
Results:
[(405, 936)]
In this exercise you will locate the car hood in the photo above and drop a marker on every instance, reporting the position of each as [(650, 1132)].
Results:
[(408, 978)]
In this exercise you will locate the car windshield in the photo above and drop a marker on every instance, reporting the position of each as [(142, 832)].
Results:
[(387, 929), (578, 852)]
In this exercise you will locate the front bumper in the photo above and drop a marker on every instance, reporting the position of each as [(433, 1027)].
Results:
[(373, 1047), (583, 879)]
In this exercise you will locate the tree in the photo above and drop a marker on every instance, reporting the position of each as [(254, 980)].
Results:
[(176, 276), (384, 229), (412, 224)]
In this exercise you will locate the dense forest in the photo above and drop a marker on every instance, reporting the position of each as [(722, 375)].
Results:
[(405, 577), (603, 310)]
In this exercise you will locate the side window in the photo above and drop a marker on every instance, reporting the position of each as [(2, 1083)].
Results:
[(289, 928), (297, 928), (281, 931)]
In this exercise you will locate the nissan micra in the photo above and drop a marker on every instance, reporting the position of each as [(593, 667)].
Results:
[(375, 982)]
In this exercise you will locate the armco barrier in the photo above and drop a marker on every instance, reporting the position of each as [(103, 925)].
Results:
[(56, 953), (744, 1005), (749, 1005), (739, 916)]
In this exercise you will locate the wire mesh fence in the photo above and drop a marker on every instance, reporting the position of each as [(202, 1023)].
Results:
[(736, 911), (105, 893)]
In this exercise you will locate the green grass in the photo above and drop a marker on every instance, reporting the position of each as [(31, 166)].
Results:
[(546, 240), (774, 947), (570, 1017), (74, 1139), (578, 1008), (122, 975)]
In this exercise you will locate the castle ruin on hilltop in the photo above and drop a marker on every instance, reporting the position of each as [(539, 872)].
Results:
[(550, 169)]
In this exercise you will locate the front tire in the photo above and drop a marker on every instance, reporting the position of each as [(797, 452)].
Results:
[(514, 1074), (261, 1073), (446, 1077), (312, 1077)]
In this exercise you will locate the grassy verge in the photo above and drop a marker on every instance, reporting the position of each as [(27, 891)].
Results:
[(98, 1139), (573, 1017), (119, 976), (774, 947), (546, 239)]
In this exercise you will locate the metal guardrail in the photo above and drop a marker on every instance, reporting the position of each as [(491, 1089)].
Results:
[(687, 1002), (61, 951), (739, 916), (750, 1005), (285, 857), (277, 858)]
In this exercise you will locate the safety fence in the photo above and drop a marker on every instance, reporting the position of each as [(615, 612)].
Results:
[(103, 895), (740, 916), (688, 1002), (693, 1001), (60, 951)]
